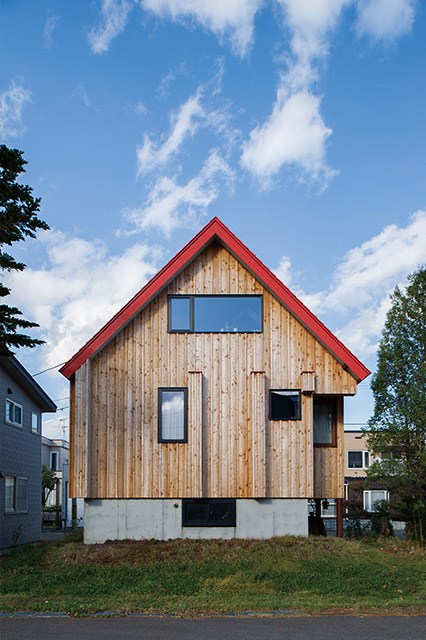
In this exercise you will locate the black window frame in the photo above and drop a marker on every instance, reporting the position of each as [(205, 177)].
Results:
[(185, 415), (191, 298), (297, 392), (186, 522)]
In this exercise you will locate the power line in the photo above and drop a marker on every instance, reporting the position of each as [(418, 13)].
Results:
[(49, 369)]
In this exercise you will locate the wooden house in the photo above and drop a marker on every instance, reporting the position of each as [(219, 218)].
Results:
[(211, 405)]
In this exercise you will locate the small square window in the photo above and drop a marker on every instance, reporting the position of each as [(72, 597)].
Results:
[(214, 512), (172, 414), (284, 404), (35, 422)]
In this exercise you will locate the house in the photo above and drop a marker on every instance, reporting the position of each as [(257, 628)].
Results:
[(23, 401), (211, 405), (55, 455), (357, 460)]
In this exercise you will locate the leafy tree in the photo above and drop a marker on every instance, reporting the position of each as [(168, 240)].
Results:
[(18, 219), (47, 482), (397, 430)]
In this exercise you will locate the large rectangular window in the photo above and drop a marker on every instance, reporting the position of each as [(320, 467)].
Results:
[(14, 413), (215, 314), (16, 499), (325, 422), (213, 512), (284, 404), (172, 414), (358, 459)]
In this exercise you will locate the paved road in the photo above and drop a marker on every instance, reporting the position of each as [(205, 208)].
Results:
[(152, 628)]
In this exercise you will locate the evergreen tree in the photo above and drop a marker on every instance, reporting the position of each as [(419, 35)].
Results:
[(18, 219), (397, 430)]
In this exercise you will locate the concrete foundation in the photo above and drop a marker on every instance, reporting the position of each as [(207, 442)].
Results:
[(161, 519)]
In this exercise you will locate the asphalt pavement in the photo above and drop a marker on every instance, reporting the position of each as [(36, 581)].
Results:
[(159, 628)]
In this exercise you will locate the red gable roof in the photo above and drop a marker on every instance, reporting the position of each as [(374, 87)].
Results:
[(215, 229)]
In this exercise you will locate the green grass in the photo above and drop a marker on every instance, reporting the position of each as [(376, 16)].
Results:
[(198, 577)]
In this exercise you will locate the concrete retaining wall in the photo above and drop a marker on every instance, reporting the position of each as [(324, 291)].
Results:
[(138, 519)]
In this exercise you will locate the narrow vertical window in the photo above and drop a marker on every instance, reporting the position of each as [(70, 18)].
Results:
[(35, 422), (54, 460), (172, 414), (180, 314), (10, 494), (324, 422), (21, 494)]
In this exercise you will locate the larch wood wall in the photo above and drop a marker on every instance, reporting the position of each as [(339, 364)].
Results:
[(233, 450)]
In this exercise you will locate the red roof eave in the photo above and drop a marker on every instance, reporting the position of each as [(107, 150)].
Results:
[(216, 229)]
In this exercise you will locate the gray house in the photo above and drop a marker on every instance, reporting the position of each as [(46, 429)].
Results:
[(22, 402)]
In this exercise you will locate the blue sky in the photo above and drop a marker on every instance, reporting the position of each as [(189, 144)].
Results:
[(301, 125)]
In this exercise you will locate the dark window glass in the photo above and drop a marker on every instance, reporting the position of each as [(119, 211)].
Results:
[(284, 404), (54, 460), (208, 513), (355, 459), (324, 423), (227, 314), (179, 309), (215, 314), (172, 414)]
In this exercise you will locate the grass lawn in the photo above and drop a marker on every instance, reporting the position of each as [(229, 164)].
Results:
[(198, 577)]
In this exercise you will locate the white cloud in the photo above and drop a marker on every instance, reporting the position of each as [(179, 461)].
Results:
[(184, 123), (81, 92), (170, 205), (384, 19), (12, 102), (232, 19), (140, 109), (114, 19), (79, 289), (283, 272), (49, 27), (294, 134), (364, 280)]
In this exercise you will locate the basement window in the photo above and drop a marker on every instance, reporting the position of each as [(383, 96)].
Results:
[(284, 404), (215, 314), (213, 512), (172, 414)]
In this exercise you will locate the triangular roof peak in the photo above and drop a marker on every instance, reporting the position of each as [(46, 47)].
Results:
[(215, 229)]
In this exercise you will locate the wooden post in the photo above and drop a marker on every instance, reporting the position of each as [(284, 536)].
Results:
[(339, 517)]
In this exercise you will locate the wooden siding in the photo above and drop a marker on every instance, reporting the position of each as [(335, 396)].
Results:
[(233, 450), (329, 463)]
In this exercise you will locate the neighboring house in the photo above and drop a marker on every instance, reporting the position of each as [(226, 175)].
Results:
[(211, 405), (55, 455), (23, 401), (357, 460)]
